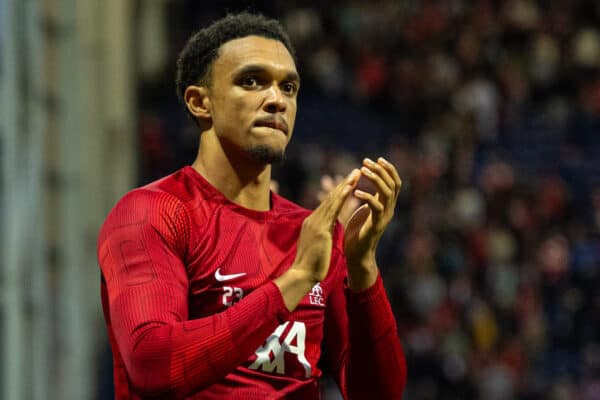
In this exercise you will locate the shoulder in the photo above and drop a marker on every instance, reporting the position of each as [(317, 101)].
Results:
[(162, 197), (159, 204)]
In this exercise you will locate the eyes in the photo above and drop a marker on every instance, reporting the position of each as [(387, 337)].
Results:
[(256, 83), (289, 87), (249, 82)]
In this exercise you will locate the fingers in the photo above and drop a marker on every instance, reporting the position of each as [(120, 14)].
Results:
[(379, 169), (385, 178), (385, 184), (382, 188), (332, 204), (376, 206), (335, 191), (391, 170), (343, 189)]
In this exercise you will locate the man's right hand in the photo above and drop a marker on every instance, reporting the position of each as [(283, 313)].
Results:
[(313, 255)]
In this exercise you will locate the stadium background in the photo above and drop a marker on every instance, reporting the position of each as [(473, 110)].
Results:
[(489, 109)]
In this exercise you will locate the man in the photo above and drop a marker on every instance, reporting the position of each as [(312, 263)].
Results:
[(213, 287)]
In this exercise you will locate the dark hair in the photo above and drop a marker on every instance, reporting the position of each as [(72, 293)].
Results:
[(202, 49)]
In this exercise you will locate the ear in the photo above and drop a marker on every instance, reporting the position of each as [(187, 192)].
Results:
[(197, 101)]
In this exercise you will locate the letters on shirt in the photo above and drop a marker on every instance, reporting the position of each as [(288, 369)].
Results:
[(269, 356)]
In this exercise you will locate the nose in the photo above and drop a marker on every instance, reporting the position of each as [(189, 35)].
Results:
[(274, 100)]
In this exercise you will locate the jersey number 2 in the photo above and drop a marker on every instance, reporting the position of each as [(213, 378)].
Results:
[(232, 295)]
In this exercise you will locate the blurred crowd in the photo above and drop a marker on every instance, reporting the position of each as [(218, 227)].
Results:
[(491, 112)]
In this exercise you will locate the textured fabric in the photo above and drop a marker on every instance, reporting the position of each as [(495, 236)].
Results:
[(192, 311)]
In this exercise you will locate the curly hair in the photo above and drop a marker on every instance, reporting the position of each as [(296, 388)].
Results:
[(202, 49)]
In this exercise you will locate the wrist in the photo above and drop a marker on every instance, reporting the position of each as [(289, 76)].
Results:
[(357, 282), (294, 284), (362, 273), (363, 263)]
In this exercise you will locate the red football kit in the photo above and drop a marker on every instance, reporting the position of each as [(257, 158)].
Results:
[(192, 311)]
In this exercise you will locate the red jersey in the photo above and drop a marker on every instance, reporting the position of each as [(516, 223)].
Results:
[(192, 311)]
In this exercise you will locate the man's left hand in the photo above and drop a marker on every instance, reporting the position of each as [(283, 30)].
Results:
[(367, 224)]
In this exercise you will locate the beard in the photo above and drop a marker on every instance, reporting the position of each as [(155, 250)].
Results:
[(266, 154)]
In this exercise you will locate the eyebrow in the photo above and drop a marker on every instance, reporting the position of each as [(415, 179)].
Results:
[(259, 69)]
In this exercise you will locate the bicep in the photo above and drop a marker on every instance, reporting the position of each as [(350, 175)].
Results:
[(146, 282)]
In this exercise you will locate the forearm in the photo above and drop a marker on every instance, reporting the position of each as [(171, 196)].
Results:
[(294, 285), (179, 358), (375, 365)]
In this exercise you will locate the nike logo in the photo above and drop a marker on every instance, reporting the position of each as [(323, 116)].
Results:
[(223, 278)]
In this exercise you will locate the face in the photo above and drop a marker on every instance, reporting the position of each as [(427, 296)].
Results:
[(252, 97)]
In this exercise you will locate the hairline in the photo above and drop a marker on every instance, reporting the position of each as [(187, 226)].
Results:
[(206, 79)]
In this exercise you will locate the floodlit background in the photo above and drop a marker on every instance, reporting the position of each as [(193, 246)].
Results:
[(489, 109)]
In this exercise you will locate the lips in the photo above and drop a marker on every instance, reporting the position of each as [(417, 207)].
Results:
[(274, 123)]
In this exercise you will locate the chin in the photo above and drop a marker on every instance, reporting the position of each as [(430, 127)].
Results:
[(266, 154)]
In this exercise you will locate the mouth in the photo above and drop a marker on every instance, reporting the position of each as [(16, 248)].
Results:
[(273, 123)]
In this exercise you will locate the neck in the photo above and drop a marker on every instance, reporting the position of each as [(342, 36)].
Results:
[(243, 181)]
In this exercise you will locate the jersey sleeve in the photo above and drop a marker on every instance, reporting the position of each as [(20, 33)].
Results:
[(141, 251), (361, 344)]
